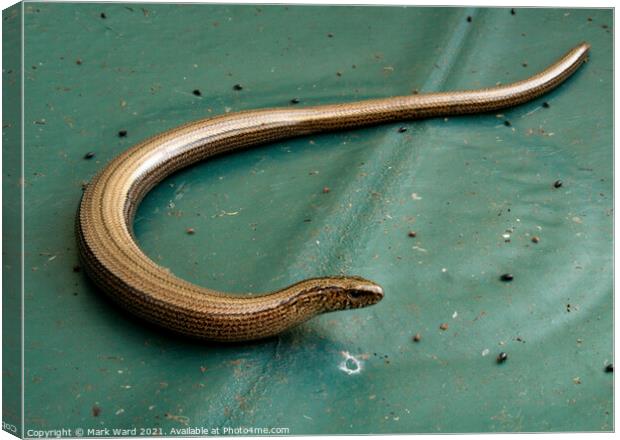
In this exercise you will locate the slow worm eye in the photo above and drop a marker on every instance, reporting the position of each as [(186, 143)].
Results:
[(355, 294)]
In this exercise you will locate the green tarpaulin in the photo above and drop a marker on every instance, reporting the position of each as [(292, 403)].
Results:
[(475, 190)]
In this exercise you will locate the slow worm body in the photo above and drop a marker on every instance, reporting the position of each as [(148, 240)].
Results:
[(114, 261)]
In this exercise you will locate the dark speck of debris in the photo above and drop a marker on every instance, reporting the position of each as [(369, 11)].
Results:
[(609, 368), (546, 104), (412, 234), (502, 357), (507, 123), (77, 268), (604, 26), (402, 129), (237, 87), (524, 64), (589, 18), (96, 411), (513, 12), (295, 101), (507, 277), (102, 15), (122, 133), (78, 61), (558, 184), (444, 326), (535, 239), (338, 73), (417, 337), (197, 92), (330, 35), (469, 19), (190, 231), (89, 155), (326, 190)]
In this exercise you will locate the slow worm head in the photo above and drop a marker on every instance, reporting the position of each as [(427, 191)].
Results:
[(114, 261)]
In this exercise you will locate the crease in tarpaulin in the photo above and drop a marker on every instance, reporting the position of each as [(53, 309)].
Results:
[(255, 387), (340, 239), (450, 53)]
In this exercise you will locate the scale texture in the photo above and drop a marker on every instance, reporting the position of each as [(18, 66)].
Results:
[(475, 189)]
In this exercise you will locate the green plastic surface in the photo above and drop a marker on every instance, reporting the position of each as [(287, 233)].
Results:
[(12, 368), (262, 220)]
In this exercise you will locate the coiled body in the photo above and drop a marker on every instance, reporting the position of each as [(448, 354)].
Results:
[(113, 260)]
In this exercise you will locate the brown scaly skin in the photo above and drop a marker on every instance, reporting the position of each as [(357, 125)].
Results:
[(112, 258)]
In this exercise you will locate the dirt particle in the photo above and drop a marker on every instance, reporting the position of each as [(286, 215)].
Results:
[(507, 123), (402, 129), (535, 239), (507, 277), (502, 357), (338, 73), (513, 12), (469, 19), (295, 101), (326, 189), (330, 35), (237, 87), (96, 411), (546, 104), (197, 92), (444, 326), (609, 368), (78, 61), (122, 133), (102, 15), (558, 184), (412, 234), (77, 268), (417, 337), (524, 64), (190, 231), (89, 155)]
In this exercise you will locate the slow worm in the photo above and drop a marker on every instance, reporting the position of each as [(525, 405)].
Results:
[(114, 261)]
